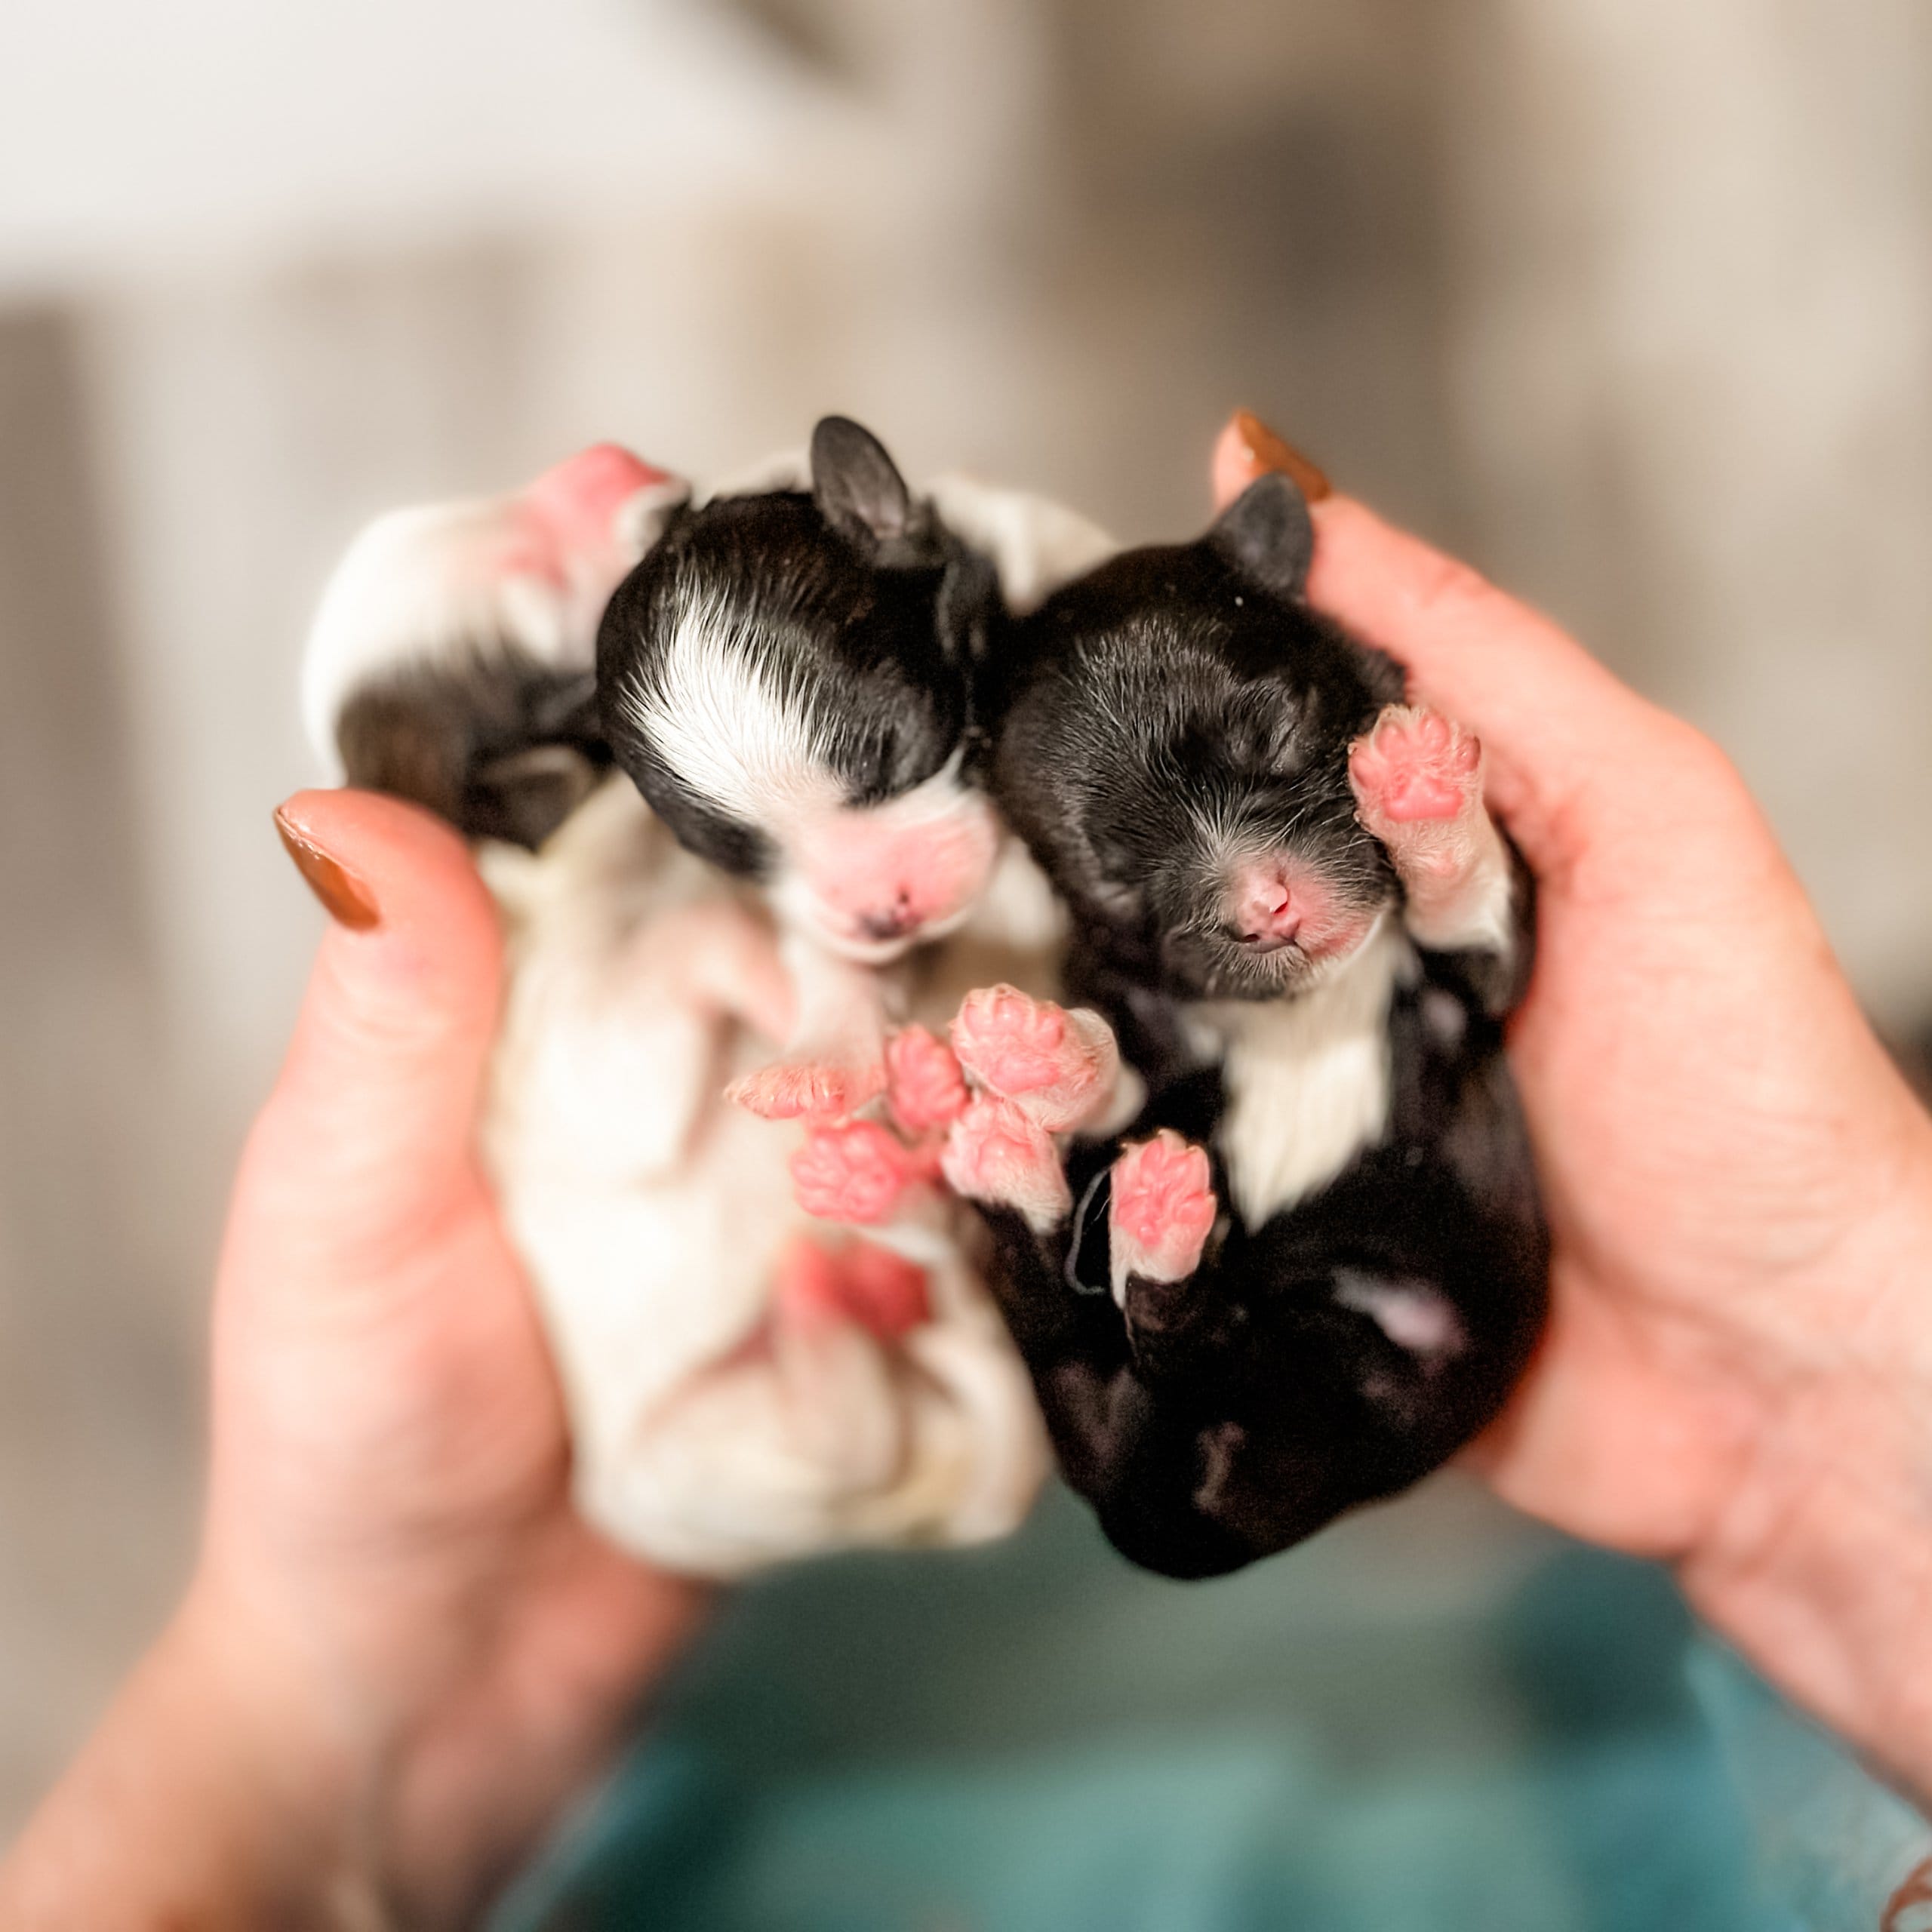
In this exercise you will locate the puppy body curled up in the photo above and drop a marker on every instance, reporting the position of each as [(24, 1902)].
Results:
[(745, 1386), (1315, 1264)]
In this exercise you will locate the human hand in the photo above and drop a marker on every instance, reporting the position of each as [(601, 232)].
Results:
[(401, 1649), (1737, 1371)]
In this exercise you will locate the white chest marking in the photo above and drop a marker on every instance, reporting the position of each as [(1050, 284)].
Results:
[(1307, 1078)]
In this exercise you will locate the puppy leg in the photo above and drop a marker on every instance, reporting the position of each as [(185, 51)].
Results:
[(1161, 1210), (1417, 779), (997, 1155), (1041, 1070), (854, 1171), (1058, 1068), (835, 1061), (925, 1089)]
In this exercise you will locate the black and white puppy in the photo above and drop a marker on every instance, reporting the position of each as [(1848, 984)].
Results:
[(744, 1387), (786, 677), (451, 662), (1316, 1265)]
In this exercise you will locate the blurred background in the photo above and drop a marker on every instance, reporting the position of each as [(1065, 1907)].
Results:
[(1626, 301)]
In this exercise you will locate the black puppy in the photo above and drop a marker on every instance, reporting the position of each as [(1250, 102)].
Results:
[(786, 675), (1292, 906)]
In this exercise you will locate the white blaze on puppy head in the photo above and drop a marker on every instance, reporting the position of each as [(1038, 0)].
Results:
[(450, 661), (787, 678)]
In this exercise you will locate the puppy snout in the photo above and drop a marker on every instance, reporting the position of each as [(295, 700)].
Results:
[(1264, 912), (889, 922)]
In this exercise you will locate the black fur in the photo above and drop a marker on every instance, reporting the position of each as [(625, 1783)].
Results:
[(1214, 1421), (853, 599), (498, 745)]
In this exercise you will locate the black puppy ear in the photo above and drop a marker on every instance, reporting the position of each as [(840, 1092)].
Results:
[(1267, 533), (502, 747), (858, 488)]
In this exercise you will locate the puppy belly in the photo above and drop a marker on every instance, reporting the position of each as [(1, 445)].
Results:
[(710, 1434)]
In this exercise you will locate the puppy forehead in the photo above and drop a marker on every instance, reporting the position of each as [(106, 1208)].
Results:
[(727, 710), (1162, 704)]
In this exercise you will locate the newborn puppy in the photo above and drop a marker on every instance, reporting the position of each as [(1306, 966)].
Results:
[(1316, 1265), (786, 676), (451, 661), (744, 1387)]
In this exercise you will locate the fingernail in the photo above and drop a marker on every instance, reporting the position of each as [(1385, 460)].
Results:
[(1268, 451), (345, 898)]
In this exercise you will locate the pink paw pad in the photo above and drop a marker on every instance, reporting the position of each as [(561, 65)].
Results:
[(1162, 1209), (996, 1155), (1010, 1042), (925, 1088), (856, 1171), (807, 1089), (1057, 1066), (884, 1292), (857, 1282), (1414, 765)]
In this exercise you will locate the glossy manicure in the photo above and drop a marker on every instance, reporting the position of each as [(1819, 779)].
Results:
[(345, 898), (1266, 451)]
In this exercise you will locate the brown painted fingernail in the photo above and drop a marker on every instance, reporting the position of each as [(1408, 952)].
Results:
[(1268, 451), (345, 898)]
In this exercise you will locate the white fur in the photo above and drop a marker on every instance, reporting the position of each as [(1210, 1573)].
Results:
[(1474, 912), (1414, 1315), (1307, 1078), (651, 1212), (1035, 545), (721, 719), (420, 586)]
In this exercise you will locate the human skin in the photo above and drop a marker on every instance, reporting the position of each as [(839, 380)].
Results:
[(402, 1651), (1737, 1376)]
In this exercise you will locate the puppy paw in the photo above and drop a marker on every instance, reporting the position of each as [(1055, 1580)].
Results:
[(1161, 1210), (996, 1155), (925, 1088), (808, 1089), (882, 1291), (1414, 768), (1057, 1067), (855, 1171)]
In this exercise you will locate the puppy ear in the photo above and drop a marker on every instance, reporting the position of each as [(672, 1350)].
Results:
[(858, 489), (969, 608), (1267, 532), (501, 747)]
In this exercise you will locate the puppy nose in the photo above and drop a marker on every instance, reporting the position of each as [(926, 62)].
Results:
[(894, 925), (1271, 942), (1264, 914)]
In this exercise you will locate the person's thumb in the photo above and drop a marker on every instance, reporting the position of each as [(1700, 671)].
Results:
[(1562, 734), (367, 1146)]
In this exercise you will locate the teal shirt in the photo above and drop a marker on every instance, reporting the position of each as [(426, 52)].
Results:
[(1431, 1717)]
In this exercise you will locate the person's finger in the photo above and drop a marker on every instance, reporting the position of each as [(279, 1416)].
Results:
[(1246, 450), (369, 1135), (1551, 718)]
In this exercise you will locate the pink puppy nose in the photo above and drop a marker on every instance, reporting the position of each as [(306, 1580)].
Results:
[(1263, 911), (580, 497), (892, 921)]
